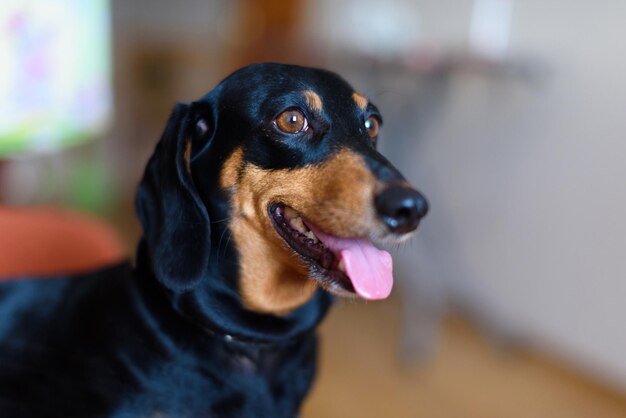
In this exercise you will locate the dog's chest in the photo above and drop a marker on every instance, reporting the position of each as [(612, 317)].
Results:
[(231, 382)]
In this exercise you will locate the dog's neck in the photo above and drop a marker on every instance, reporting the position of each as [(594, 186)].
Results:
[(214, 306)]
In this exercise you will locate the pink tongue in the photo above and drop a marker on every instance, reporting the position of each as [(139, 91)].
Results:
[(368, 268)]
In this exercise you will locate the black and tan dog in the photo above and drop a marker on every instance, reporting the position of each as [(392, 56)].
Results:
[(261, 199)]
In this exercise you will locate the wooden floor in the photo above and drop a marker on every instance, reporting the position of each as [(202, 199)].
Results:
[(361, 376)]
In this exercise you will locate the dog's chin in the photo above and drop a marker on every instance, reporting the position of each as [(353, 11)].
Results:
[(323, 265)]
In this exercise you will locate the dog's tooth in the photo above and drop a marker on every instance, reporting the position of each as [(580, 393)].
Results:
[(310, 235), (341, 267), (290, 213), (298, 225)]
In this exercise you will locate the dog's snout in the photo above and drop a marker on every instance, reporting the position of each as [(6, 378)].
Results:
[(401, 208)]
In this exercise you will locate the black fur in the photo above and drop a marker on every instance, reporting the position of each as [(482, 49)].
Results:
[(170, 337)]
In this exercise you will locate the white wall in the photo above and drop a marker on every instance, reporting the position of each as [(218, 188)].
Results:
[(526, 180), (530, 183), (559, 260)]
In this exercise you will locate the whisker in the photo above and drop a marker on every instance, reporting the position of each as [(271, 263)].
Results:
[(219, 244), (227, 242), (222, 220)]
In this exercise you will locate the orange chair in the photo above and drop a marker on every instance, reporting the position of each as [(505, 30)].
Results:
[(44, 241)]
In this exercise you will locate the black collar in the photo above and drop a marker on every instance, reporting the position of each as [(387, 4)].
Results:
[(243, 342), (299, 326), (232, 340)]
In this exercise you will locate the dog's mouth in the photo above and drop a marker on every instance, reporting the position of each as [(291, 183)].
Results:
[(343, 266)]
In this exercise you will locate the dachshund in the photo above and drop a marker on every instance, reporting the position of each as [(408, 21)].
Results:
[(262, 201)]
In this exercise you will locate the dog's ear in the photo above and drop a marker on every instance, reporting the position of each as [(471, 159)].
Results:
[(175, 221)]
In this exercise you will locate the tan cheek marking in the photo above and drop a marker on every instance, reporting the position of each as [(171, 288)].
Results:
[(337, 196), (230, 169), (188, 156), (313, 100), (360, 100), (271, 280), (268, 275)]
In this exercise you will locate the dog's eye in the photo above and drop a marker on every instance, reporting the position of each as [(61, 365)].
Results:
[(291, 121), (373, 126)]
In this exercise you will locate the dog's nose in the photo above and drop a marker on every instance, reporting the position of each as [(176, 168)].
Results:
[(401, 208)]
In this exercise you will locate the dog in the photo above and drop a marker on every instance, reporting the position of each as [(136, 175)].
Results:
[(261, 202)]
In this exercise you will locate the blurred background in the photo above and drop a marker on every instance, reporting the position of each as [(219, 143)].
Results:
[(507, 114)]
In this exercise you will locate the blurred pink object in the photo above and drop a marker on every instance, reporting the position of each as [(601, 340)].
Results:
[(46, 241)]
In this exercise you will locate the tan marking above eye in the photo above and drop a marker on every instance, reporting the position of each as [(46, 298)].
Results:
[(313, 100), (360, 100), (373, 126), (292, 121)]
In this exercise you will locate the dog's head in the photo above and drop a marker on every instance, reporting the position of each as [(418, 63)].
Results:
[(279, 164)]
